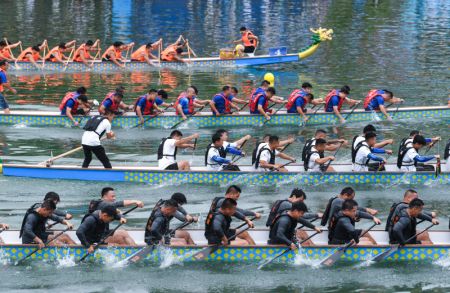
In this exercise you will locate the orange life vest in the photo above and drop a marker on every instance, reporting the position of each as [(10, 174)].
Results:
[(331, 94), (114, 106), (169, 53), (1, 85), (370, 96), (81, 51), (6, 53), (253, 104), (227, 102), (293, 98), (23, 56), (67, 97), (190, 106), (148, 109), (247, 42), (139, 54), (117, 53), (54, 52)]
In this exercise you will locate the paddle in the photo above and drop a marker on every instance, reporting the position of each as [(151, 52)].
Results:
[(187, 118), (351, 112), (396, 110), (282, 166), (318, 108), (284, 252), (267, 120), (204, 253), (438, 167), (329, 162), (68, 59), (430, 146), (150, 118), (12, 55), (241, 147), (245, 105), (45, 244), (388, 252), (334, 257), (141, 254), (102, 240)]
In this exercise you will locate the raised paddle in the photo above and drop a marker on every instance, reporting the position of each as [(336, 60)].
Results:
[(430, 146), (241, 147), (150, 118), (204, 253), (391, 250), (284, 252), (187, 118), (12, 55), (141, 254), (45, 244), (334, 257), (96, 246)]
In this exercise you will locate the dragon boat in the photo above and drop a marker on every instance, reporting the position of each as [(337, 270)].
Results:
[(13, 250), (275, 56), (206, 119), (247, 175)]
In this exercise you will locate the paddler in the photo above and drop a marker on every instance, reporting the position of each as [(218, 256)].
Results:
[(144, 53), (6, 50), (3, 226), (4, 83), (147, 105), (265, 143), (32, 54), (408, 142), (113, 102), (331, 145), (336, 98), (375, 100), (236, 144), (447, 154), (265, 158), (234, 94), (299, 99), (365, 151), (174, 52), (249, 40), (316, 161), (161, 98), (342, 230), (75, 103), (187, 101), (222, 102), (95, 128), (215, 155), (259, 102), (397, 209), (95, 227), (34, 231), (283, 206), (108, 198), (82, 53), (53, 196), (167, 151), (405, 223), (57, 53), (157, 228), (409, 156), (283, 228), (217, 225), (114, 53)]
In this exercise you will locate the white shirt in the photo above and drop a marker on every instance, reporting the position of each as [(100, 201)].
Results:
[(359, 138), (265, 156), (361, 158), (168, 149), (91, 138), (408, 161), (227, 144), (212, 165), (312, 165)]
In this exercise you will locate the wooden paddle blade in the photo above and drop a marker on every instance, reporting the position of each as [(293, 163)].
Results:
[(333, 258), (203, 254), (385, 254), (141, 254)]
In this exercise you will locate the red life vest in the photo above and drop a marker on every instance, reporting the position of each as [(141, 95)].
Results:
[(293, 98), (331, 94), (370, 96), (114, 106), (148, 109), (227, 102), (253, 104), (190, 106), (67, 97)]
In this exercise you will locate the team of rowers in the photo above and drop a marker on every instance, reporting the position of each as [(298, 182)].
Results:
[(340, 216), (114, 53)]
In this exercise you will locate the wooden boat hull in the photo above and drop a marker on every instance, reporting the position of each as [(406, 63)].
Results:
[(129, 120), (152, 175)]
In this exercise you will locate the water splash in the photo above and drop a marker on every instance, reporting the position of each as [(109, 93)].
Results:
[(20, 126), (443, 262), (302, 259), (4, 259), (65, 260), (375, 116)]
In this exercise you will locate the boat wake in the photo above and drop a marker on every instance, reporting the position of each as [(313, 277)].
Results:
[(443, 262)]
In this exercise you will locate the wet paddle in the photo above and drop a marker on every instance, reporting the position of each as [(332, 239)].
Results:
[(389, 251), (204, 253), (338, 253), (267, 120), (284, 252), (45, 244), (187, 118), (150, 118), (102, 240)]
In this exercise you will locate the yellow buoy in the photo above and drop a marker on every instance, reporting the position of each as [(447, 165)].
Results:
[(270, 78)]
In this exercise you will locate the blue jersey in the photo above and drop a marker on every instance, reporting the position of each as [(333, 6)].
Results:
[(220, 103), (334, 101), (300, 102), (376, 102)]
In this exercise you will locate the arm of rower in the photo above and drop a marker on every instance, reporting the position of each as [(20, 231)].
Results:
[(239, 101), (300, 111), (156, 228), (384, 111), (71, 44), (425, 216), (364, 215), (123, 106), (180, 110), (264, 164), (28, 227), (246, 213), (149, 62), (337, 113), (213, 108), (384, 143), (240, 141), (139, 112), (321, 161), (286, 157), (69, 114), (306, 223), (262, 112), (185, 140), (113, 59), (180, 216)]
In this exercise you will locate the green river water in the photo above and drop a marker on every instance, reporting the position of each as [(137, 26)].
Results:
[(399, 45)]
